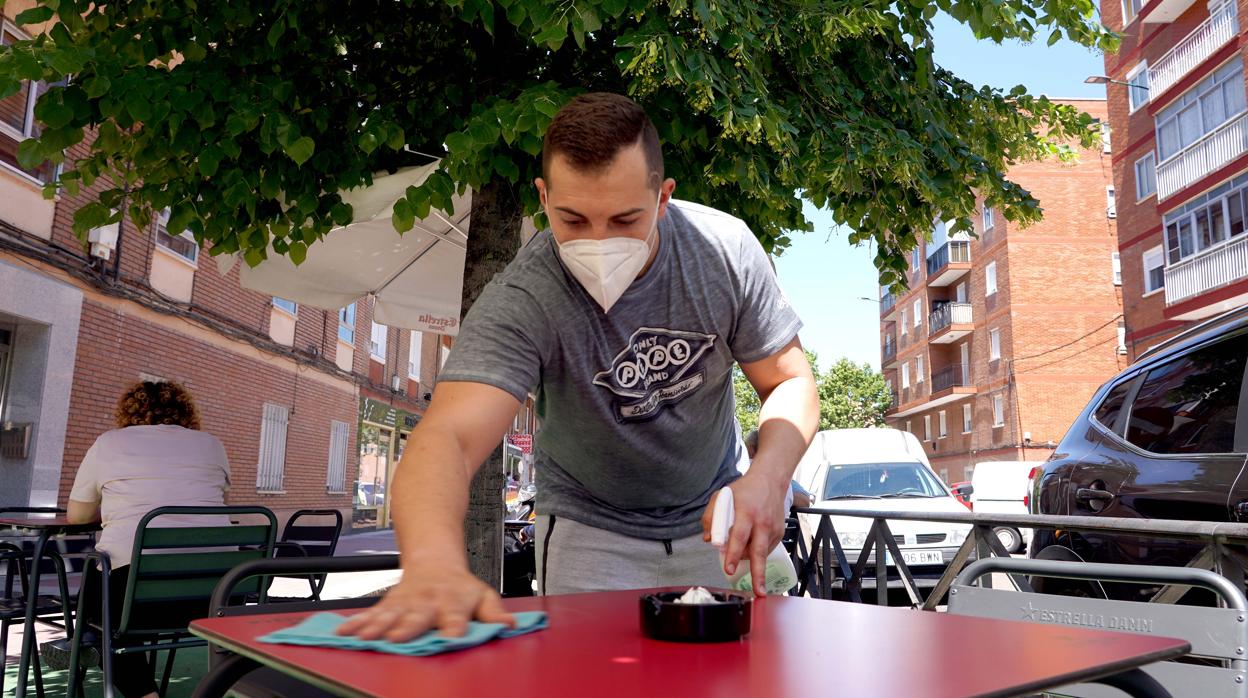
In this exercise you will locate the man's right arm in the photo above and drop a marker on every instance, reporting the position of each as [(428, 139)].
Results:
[(463, 425)]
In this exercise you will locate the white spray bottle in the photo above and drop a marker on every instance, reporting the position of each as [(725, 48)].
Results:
[(780, 574)]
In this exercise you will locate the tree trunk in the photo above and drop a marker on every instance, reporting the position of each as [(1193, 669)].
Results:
[(493, 240)]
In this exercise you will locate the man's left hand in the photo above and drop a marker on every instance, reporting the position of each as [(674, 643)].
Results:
[(757, 527)]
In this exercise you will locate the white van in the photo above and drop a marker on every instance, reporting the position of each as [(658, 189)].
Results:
[(881, 469), (998, 487)]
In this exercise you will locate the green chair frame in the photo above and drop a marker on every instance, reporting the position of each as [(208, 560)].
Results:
[(171, 564)]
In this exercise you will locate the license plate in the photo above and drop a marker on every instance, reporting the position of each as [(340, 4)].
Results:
[(918, 557)]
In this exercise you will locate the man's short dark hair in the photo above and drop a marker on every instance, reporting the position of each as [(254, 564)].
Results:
[(591, 128)]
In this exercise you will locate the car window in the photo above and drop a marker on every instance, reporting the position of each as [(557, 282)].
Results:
[(880, 480), (1190, 404), (1111, 406)]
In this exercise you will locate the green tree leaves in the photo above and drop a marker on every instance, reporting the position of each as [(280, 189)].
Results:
[(260, 112), (850, 396)]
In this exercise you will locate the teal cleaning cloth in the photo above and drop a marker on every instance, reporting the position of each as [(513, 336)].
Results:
[(320, 630)]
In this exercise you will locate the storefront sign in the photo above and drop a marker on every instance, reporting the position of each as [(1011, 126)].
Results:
[(387, 416), (524, 442)]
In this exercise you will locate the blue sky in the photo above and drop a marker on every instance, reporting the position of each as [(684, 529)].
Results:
[(824, 277)]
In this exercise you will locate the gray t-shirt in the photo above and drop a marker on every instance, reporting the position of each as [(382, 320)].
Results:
[(639, 426)]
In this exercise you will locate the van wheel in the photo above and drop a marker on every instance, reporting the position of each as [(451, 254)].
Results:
[(1010, 538)]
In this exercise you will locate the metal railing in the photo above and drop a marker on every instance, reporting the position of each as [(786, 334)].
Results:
[(1202, 158), (823, 566), (889, 350), (887, 301), (946, 314), (1193, 49), (951, 252), (1207, 270), (954, 376)]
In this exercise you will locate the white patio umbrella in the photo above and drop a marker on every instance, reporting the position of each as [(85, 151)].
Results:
[(417, 278)]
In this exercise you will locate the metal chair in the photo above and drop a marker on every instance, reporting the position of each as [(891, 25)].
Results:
[(231, 672), (170, 565), (301, 539), (16, 558), (1217, 634)]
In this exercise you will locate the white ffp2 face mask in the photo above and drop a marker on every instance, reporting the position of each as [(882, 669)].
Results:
[(606, 268)]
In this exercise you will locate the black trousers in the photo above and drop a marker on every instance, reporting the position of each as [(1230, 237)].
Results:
[(133, 674)]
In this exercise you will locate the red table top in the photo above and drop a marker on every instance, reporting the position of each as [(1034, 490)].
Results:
[(797, 646)]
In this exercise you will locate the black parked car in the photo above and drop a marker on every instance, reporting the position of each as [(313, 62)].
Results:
[(1165, 439)]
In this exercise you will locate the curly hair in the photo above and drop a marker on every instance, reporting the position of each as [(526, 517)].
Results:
[(163, 402)]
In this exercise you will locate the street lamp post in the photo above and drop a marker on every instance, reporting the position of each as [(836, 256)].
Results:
[(1106, 80)]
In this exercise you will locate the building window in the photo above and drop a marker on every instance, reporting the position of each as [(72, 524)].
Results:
[(346, 324), (905, 375), (909, 427), (377, 342), (1201, 110), (918, 313), (413, 355), (914, 259), (1137, 87), (336, 475), (904, 321), (989, 218), (1116, 261), (182, 244), (998, 410), (942, 425), (1111, 207), (966, 418), (1131, 10), (1207, 221), (1122, 337), (927, 427), (272, 460), (990, 278), (918, 369), (1146, 176), (1154, 270), (994, 345), (289, 306), (1106, 133), (17, 116)]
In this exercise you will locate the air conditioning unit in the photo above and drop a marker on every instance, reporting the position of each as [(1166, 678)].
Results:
[(103, 240)]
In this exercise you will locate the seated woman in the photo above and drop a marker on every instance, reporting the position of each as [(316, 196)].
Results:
[(156, 457)]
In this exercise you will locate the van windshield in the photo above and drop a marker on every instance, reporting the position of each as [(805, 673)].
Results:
[(880, 480)]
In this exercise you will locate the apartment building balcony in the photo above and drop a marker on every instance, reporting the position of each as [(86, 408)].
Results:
[(1163, 11), (949, 322), (949, 263), (949, 384), (888, 304), (894, 404), (1208, 270), (1203, 157), (1193, 49), (888, 352)]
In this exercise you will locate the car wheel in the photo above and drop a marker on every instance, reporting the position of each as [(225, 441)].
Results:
[(1010, 538)]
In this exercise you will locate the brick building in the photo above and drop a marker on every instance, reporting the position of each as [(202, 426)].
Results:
[(288, 389), (1180, 121), (1002, 338)]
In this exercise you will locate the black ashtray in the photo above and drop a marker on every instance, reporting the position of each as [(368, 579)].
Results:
[(724, 620)]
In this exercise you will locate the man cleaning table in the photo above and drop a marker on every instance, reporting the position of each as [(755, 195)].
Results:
[(625, 318)]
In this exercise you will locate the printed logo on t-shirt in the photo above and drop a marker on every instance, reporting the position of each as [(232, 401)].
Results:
[(658, 368)]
